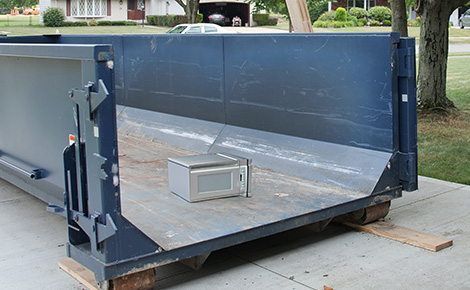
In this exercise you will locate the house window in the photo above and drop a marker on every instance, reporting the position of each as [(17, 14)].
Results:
[(366, 4), (89, 8)]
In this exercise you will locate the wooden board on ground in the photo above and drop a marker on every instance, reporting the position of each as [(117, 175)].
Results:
[(404, 235), (80, 273)]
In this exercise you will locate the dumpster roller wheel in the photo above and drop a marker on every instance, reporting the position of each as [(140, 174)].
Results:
[(369, 214), (143, 280)]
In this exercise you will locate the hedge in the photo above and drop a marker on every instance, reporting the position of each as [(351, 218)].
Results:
[(261, 19), (166, 20), (74, 23), (380, 13), (357, 12)]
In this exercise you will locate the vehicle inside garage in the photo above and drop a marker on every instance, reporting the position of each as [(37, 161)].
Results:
[(226, 9)]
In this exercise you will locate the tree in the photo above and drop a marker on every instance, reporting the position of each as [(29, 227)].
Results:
[(399, 19), (11, 4), (191, 8), (433, 52), (315, 7)]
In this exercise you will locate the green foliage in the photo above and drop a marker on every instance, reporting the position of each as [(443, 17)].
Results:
[(316, 8), (327, 16), (166, 20), (362, 22), (74, 23), (53, 17), (339, 24), (353, 20), (273, 21), (374, 23), (113, 23), (341, 14), (118, 23), (321, 24), (358, 12), (380, 13), (261, 19), (93, 23), (387, 23), (199, 18), (414, 23), (7, 5), (104, 23)]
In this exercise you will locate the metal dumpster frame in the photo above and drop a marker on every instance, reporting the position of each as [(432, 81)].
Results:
[(101, 237)]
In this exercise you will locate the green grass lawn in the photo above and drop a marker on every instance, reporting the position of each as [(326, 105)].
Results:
[(456, 35), (443, 141), (18, 20)]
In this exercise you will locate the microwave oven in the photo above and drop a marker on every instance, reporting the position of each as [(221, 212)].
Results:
[(209, 176)]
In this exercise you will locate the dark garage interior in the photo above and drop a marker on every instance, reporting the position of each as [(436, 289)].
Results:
[(227, 9)]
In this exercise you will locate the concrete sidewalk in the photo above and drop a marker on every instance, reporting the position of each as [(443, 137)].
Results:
[(32, 241)]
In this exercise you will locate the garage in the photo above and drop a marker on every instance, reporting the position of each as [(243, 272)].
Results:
[(229, 9)]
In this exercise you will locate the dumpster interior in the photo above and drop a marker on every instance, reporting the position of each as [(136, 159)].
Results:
[(323, 118)]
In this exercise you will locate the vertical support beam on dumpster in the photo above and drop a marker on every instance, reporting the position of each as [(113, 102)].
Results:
[(299, 16), (408, 115)]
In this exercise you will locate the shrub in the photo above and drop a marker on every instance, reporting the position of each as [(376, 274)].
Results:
[(166, 20), (339, 24), (53, 17), (380, 13), (261, 19), (327, 16), (362, 22), (387, 23), (131, 23), (104, 23), (350, 23), (341, 14), (199, 18), (321, 24), (358, 12), (353, 19), (118, 23), (413, 23), (75, 23), (151, 19), (93, 23), (374, 23), (273, 21)]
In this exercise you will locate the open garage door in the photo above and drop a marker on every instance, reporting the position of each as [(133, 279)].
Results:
[(228, 9)]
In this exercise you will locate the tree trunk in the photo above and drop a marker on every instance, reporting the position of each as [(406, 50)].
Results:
[(399, 21), (191, 7), (433, 51)]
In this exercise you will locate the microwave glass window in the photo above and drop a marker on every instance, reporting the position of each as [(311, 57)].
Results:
[(214, 182)]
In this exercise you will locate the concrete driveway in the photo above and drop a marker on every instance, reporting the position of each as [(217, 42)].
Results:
[(32, 240)]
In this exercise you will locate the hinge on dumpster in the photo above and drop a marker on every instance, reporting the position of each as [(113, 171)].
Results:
[(96, 231), (88, 99), (406, 62), (407, 167)]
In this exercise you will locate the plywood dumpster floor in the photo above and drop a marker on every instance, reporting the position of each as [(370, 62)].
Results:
[(173, 222)]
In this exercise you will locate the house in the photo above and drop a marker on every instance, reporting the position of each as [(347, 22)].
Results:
[(347, 4), (84, 10)]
